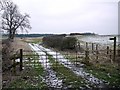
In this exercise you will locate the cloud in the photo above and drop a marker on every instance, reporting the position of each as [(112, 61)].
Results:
[(58, 16)]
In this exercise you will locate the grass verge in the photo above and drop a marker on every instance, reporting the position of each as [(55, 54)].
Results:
[(70, 80), (106, 72), (31, 76)]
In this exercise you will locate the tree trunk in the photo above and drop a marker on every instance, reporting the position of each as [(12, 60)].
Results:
[(11, 34)]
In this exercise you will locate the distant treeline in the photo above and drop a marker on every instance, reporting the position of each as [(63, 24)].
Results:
[(61, 42), (44, 35), (30, 35), (82, 34)]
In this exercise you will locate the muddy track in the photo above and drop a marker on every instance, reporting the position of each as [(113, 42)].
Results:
[(50, 77), (78, 71)]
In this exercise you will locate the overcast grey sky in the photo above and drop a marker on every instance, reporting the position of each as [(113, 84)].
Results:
[(66, 16)]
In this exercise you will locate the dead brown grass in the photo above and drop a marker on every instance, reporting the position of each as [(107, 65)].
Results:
[(16, 45), (19, 44)]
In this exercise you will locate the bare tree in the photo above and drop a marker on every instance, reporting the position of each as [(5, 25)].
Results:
[(1, 5), (12, 19)]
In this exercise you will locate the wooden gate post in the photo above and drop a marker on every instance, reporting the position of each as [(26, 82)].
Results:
[(21, 59)]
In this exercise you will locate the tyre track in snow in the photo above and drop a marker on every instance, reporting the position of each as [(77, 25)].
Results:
[(78, 71), (50, 77)]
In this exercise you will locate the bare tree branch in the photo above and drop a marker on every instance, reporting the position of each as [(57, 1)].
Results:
[(12, 19)]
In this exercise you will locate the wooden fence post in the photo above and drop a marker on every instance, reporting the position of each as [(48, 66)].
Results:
[(92, 47), (97, 51), (79, 45), (46, 59), (14, 66), (108, 50), (21, 59), (114, 53), (34, 59), (86, 55), (110, 54), (111, 60), (76, 58), (114, 57), (67, 57), (86, 46), (118, 50), (87, 52), (56, 60), (29, 61)]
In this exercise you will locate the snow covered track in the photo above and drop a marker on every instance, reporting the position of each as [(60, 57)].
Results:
[(78, 71), (50, 79)]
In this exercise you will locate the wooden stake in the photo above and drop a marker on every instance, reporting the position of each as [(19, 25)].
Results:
[(21, 59)]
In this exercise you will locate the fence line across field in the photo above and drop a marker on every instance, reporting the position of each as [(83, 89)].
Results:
[(88, 53)]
